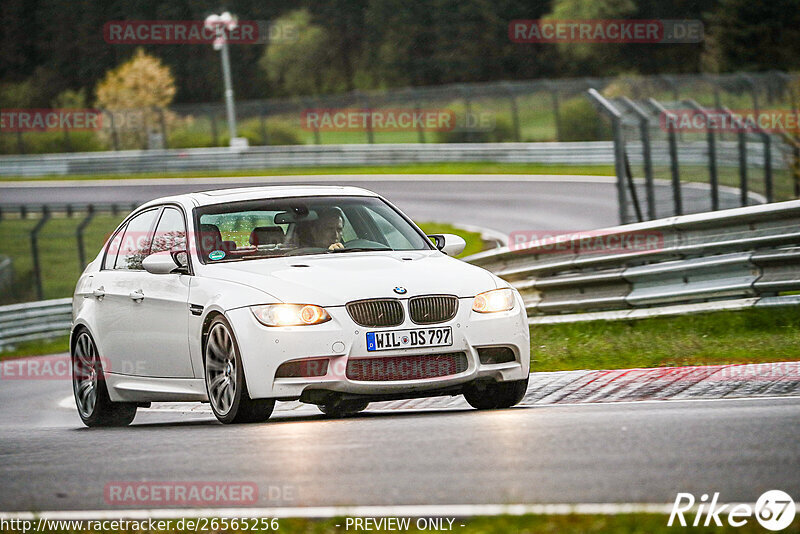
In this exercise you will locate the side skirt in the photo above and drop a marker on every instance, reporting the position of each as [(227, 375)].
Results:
[(128, 388)]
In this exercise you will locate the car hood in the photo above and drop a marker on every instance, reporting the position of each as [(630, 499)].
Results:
[(335, 279)]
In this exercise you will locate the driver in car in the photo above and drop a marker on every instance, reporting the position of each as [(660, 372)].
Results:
[(325, 232)]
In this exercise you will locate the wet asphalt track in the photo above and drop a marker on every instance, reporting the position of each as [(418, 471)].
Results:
[(570, 453)]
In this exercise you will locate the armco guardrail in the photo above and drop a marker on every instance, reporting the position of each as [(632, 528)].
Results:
[(257, 157), (260, 157), (34, 320), (711, 261), (720, 260)]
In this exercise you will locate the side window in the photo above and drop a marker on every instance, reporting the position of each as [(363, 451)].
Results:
[(113, 249), (170, 233), (135, 243)]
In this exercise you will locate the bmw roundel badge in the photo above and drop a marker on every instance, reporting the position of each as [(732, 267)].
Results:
[(400, 290)]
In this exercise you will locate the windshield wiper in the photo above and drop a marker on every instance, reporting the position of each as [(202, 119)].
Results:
[(359, 249)]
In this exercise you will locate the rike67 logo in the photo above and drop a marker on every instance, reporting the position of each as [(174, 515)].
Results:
[(774, 510)]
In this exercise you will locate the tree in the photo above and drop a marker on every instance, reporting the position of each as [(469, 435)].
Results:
[(592, 58), (141, 82), (301, 66), (142, 87), (343, 21), (747, 35)]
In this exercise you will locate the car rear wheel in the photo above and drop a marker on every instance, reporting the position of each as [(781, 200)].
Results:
[(91, 394), (225, 380), (343, 408), (494, 395)]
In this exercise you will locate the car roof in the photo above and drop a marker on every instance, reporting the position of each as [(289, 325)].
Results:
[(221, 196)]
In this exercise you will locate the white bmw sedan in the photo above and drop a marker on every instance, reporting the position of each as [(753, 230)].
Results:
[(329, 295)]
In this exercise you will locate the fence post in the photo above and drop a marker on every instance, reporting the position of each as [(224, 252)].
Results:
[(365, 100), (672, 85), (796, 152), (619, 150), (743, 186), (753, 91), (67, 142), (768, 189), (512, 100), (37, 272), (670, 119), (420, 128), (214, 134), (163, 122), (263, 124), (644, 133), (309, 104), (112, 125), (741, 136), (464, 90), (712, 155), (79, 235), (556, 109), (717, 99)]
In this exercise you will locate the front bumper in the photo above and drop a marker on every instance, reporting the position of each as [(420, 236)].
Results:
[(263, 349)]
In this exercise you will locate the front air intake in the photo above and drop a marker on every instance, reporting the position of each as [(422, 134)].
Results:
[(376, 313), (431, 309), (420, 367)]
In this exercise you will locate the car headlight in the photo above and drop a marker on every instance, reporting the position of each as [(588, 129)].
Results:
[(496, 300), (290, 314)]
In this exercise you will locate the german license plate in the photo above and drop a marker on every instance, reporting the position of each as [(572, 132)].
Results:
[(407, 339)]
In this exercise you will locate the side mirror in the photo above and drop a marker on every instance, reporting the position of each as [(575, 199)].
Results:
[(450, 244), (166, 262)]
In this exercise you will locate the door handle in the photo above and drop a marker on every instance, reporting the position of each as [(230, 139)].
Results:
[(137, 295), (99, 293)]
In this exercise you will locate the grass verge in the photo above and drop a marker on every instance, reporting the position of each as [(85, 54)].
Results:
[(746, 336), (38, 348), (414, 168)]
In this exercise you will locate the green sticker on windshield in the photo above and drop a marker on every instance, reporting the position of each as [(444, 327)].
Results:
[(216, 255)]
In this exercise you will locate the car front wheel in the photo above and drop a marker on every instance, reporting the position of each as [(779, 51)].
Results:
[(225, 381), (494, 395), (91, 394)]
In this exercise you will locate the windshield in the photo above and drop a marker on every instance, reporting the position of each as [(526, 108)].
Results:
[(299, 226)]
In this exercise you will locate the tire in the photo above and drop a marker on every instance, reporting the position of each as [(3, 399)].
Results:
[(343, 408), (495, 395), (95, 407), (225, 380)]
